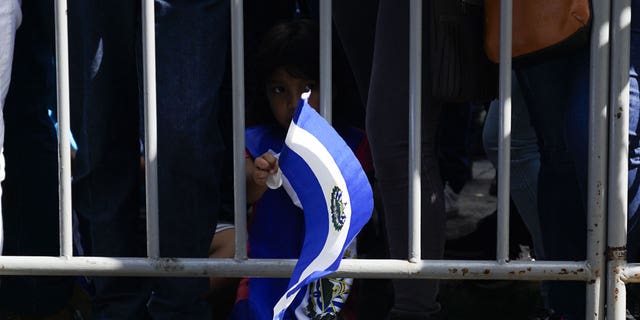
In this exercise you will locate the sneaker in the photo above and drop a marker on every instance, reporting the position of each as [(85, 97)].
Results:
[(451, 202)]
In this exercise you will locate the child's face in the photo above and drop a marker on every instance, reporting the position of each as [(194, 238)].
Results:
[(283, 92)]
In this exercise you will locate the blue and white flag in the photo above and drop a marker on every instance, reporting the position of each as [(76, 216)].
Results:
[(334, 192)]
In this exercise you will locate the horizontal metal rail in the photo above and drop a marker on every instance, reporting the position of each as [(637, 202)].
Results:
[(356, 268), (631, 273)]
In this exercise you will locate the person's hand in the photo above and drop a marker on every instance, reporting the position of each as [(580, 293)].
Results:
[(264, 166)]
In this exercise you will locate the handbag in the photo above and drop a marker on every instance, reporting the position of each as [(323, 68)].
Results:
[(540, 28)]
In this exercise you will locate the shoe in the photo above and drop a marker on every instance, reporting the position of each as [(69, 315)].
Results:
[(451, 207)]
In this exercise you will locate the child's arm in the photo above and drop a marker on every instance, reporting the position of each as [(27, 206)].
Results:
[(258, 170)]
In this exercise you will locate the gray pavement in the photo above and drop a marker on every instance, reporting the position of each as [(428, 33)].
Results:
[(474, 201)]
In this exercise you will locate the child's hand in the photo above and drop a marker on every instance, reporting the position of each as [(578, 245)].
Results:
[(264, 166)]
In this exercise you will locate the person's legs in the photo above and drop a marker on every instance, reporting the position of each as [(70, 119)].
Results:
[(454, 133), (104, 106), (30, 191), (549, 93), (191, 40), (633, 227), (387, 119), (355, 25), (525, 161)]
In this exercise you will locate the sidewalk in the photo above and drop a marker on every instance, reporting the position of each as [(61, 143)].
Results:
[(487, 299)]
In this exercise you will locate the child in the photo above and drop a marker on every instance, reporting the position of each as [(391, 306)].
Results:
[(287, 66)]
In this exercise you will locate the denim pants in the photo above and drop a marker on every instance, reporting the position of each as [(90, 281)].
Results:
[(30, 190), (525, 161), (191, 48), (10, 19), (556, 94), (633, 230)]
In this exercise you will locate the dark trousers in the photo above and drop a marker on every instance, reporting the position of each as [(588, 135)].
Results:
[(30, 190), (387, 127), (556, 94), (191, 47)]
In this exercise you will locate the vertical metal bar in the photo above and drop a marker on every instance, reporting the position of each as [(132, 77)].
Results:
[(64, 146), (151, 127), (504, 146), (618, 156), (415, 126), (240, 198), (325, 60), (597, 175)]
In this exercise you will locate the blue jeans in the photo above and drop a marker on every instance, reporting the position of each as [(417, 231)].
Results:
[(191, 45), (30, 191), (525, 161), (556, 94), (633, 232)]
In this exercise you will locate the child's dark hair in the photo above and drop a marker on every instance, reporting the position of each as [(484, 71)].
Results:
[(292, 45)]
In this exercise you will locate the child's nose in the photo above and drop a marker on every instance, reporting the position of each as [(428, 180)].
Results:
[(293, 100)]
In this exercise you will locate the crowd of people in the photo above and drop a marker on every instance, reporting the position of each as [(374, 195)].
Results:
[(371, 112)]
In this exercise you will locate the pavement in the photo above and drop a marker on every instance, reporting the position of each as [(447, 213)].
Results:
[(483, 299), (474, 201)]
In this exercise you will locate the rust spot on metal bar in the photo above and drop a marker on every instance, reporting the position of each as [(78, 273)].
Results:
[(616, 253), (453, 270), (487, 271), (465, 271), (522, 272)]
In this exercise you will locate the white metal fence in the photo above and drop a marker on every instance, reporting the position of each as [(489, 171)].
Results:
[(607, 182)]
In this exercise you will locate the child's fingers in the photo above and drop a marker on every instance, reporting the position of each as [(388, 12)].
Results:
[(267, 162)]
